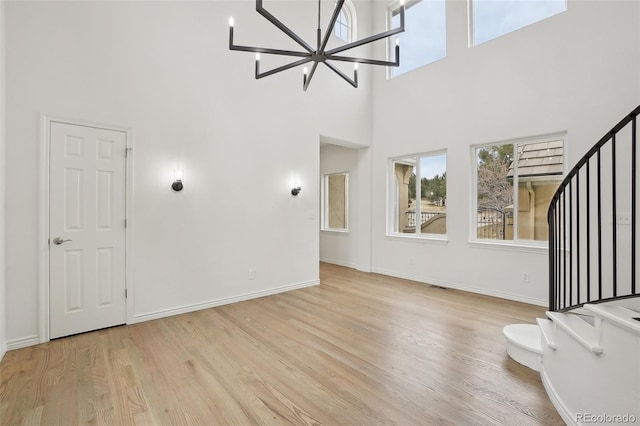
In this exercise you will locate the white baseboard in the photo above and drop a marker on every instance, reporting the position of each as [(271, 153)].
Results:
[(3, 350), (219, 302), (470, 289), (23, 342), (568, 417), (345, 264)]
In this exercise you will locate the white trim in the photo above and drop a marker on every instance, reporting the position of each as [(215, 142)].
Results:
[(218, 302), (22, 342), (561, 408), (324, 202), (3, 122), (440, 239), (43, 234), (334, 231), (509, 246), (463, 287)]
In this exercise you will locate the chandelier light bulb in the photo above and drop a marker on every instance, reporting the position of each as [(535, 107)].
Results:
[(257, 56), (305, 70), (231, 21), (355, 66), (398, 41)]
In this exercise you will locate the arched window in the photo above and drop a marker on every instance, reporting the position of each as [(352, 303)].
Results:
[(345, 28)]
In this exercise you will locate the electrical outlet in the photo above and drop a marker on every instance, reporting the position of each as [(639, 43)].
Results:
[(525, 277), (623, 219), (252, 274)]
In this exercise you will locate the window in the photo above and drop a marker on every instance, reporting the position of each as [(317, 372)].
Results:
[(522, 174), (342, 29), (418, 177), (493, 18), (335, 202), (345, 28), (424, 40)]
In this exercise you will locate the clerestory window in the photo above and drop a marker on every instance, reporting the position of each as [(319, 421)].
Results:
[(425, 37), (492, 18)]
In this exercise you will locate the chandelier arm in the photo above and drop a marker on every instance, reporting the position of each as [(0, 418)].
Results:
[(368, 61), (308, 78), (233, 46), (332, 23), (269, 51), (262, 11), (372, 38), (353, 82), (282, 68)]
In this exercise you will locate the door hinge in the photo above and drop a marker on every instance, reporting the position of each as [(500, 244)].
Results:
[(125, 223), (48, 241), (125, 293), (126, 152)]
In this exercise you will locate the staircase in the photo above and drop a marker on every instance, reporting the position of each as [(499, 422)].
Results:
[(587, 350)]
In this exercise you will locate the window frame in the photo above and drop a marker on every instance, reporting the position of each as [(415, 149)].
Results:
[(324, 203), (392, 192), (535, 246)]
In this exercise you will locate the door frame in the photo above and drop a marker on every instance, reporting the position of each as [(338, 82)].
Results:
[(43, 219)]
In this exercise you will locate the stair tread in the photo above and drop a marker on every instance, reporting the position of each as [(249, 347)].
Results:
[(586, 334), (616, 314), (526, 336), (546, 329)]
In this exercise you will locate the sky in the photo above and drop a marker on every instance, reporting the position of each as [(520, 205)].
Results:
[(493, 18), (434, 165)]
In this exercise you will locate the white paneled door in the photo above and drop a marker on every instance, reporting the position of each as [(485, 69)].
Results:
[(86, 228)]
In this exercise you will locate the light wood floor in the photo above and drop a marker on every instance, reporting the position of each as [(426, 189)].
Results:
[(359, 349)]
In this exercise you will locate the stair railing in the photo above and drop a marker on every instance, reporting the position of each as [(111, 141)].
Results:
[(593, 224)]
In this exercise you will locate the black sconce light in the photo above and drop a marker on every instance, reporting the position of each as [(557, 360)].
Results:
[(296, 190), (177, 183)]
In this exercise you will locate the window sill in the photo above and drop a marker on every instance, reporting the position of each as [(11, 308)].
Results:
[(426, 239), (511, 246), (335, 231)]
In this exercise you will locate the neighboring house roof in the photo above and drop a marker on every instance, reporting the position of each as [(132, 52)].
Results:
[(539, 159)]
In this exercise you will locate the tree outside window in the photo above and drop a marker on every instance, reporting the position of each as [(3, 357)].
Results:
[(514, 186)]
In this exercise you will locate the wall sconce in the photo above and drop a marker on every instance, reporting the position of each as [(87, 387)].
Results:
[(177, 182), (296, 190)]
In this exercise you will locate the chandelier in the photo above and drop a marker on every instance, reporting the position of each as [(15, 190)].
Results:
[(320, 54)]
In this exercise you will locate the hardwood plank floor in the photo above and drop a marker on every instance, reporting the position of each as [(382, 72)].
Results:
[(358, 349)]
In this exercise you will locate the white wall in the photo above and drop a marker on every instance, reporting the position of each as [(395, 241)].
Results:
[(164, 69), (352, 249), (576, 72), (3, 309)]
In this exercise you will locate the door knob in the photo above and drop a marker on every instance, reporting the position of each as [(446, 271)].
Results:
[(57, 241)]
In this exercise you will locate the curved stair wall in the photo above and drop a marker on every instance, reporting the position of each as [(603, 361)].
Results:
[(594, 369), (589, 344)]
